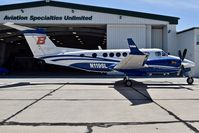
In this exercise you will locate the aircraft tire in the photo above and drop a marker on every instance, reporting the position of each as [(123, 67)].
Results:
[(128, 83), (190, 80)]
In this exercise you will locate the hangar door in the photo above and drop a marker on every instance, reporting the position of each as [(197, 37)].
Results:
[(117, 36), (157, 38)]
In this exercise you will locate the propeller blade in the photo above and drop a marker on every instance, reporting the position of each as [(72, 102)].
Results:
[(184, 54), (180, 54)]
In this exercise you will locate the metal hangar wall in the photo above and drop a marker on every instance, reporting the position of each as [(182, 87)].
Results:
[(87, 27)]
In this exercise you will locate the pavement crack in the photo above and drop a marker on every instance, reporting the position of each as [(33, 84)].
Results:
[(36, 101), (169, 112)]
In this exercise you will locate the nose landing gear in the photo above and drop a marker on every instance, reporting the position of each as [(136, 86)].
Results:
[(190, 80)]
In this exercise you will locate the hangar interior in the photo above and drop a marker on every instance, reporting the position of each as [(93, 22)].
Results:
[(87, 28), (17, 54)]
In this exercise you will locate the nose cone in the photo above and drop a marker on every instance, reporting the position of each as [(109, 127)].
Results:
[(188, 64)]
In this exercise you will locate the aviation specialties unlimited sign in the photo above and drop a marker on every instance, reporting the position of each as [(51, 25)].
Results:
[(49, 18)]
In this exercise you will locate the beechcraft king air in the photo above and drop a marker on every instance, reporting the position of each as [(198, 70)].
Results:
[(131, 62)]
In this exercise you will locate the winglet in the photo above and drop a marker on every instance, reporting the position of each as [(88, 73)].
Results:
[(133, 48)]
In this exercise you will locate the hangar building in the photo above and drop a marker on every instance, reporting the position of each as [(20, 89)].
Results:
[(189, 39), (82, 26)]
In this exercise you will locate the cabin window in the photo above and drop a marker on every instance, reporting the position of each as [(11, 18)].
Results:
[(111, 54), (197, 41), (94, 55), (146, 53), (118, 54), (124, 54), (105, 54), (82, 55), (157, 53)]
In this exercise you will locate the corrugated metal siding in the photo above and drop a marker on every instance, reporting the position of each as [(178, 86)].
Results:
[(117, 36), (196, 53), (98, 18), (157, 38), (186, 40)]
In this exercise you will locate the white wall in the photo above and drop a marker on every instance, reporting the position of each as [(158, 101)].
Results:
[(117, 36), (172, 45), (186, 40), (196, 53), (98, 18)]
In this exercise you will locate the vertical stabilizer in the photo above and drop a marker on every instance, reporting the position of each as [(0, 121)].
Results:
[(38, 41)]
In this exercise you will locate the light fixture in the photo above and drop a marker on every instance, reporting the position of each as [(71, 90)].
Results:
[(58, 41), (19, 36), (76, 36), (79, 39), (18, 43), (1, 39), (74, 33), (53, 39), (22, 10)]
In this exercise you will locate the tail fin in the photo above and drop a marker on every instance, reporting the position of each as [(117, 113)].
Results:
[(39, 42), (133, 48)]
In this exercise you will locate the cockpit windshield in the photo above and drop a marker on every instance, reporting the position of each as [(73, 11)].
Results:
[(164, 53), (160, 53)]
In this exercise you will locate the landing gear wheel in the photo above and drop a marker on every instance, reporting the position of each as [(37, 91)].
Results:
[(190, 80), (128, 83)]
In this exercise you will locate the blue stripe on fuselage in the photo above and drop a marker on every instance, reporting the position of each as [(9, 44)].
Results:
[(80, 58)]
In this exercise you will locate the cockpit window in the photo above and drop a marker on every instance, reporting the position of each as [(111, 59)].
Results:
[(164, 53), (157, 53)]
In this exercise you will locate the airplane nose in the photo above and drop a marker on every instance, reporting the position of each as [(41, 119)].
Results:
[(188, 64)]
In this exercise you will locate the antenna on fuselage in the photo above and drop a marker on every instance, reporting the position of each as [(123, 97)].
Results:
[(99, 47)]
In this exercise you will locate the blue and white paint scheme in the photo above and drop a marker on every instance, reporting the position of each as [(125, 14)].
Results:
[(131, 62)]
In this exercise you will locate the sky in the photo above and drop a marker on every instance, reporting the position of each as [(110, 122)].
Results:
[(186, 10)]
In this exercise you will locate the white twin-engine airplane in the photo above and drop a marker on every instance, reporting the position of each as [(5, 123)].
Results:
[(131, 62)]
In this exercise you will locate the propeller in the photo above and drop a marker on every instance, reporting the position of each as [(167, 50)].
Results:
[(182, 56)]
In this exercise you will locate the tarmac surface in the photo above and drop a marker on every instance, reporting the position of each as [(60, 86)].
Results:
[(98, 105)]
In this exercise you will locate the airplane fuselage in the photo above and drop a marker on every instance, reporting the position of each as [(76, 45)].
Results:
[(106, 60)]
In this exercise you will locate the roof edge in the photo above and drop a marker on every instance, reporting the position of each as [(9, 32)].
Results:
[(170, 19), (186, 30)]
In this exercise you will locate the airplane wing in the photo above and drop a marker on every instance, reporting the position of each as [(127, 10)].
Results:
[(131, 62), (134, 60)]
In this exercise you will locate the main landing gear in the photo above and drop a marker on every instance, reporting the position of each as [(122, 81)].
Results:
[(127, 81)]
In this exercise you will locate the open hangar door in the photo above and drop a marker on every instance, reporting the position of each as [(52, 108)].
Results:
[(18, 57)]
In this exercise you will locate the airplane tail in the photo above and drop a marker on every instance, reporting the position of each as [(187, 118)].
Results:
[(133, 48), (38, 41)]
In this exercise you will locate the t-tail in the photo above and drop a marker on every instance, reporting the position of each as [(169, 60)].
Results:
[(133, 48)]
